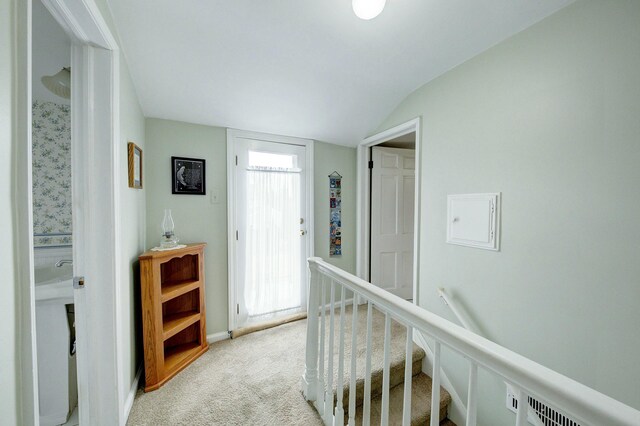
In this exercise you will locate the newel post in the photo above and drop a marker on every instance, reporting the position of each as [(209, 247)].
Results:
[(310, 376)]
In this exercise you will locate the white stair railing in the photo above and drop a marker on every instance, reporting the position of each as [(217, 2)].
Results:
[(584, 404), (532, 416)]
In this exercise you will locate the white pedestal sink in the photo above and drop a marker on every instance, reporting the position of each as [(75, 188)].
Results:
[(56, 366), (54, 285)]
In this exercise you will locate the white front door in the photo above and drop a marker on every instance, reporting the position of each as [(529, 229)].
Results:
[(271, 218), (392, 219)]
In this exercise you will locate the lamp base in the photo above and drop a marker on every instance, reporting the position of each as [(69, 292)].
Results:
[(169, 242)]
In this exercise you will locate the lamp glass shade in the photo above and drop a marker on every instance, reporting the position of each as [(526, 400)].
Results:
[(167, 224), (59, 84), (367, 9), (168, 239)]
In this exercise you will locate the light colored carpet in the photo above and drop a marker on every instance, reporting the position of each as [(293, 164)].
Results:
[(252, 380)]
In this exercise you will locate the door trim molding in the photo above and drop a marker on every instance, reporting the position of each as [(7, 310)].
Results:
[(363, 205), (232, 134)]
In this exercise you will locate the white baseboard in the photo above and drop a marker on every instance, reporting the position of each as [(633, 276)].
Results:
[(216, 337), (132, 394), (458, 409)]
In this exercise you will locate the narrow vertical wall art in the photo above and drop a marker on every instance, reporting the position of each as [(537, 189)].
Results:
[(335, 214)]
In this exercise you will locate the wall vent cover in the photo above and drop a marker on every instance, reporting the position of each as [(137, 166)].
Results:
[(547, 415)]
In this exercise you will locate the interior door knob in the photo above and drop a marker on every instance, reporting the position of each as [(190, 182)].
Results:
[(302, 232)]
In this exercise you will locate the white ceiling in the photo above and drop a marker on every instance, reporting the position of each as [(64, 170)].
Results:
[(51, 52), (300, 67)]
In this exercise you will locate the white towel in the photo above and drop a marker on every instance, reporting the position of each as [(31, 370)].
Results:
[(179, 246)]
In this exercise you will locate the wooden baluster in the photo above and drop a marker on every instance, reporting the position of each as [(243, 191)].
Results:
[(366, 407), (354, 352), (328, 401), (310, 376), (321, 382), (472, 396), (435, 388), (523, 408), (385, 372), (408, 376), (339, 420)]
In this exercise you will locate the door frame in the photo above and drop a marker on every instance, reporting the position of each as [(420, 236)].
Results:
[(95, 192), (363, 205), (232, 135)]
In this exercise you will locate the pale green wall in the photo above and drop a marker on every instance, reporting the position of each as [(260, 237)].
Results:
[(327, 158), (197, 219), (9, 346), (549, 118), (133, 228)]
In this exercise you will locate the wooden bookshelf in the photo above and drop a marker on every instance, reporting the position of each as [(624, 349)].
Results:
[(173, 311)]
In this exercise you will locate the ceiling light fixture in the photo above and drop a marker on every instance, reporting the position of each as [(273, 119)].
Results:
[(60, 83), (367, 9)]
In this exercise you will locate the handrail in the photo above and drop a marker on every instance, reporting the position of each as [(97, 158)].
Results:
[(533, 417), (579, 401), (454, 309)]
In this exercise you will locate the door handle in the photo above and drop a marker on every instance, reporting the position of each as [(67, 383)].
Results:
[(302, 232), (78, 283)]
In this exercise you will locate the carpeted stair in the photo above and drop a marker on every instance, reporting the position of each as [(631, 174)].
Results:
[(421, 383), (420, 403)]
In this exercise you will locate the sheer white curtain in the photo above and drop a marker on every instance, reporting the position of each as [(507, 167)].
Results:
[(272, 271)]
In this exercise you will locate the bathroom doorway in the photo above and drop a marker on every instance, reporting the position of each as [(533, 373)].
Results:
[(92, 73), (52, 220)]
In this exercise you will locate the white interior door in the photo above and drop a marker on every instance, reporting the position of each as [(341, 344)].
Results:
[(392, 219), (271, 217), (95, 230)]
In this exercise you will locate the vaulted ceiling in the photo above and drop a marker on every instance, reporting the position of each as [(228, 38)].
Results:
[(306, 68)]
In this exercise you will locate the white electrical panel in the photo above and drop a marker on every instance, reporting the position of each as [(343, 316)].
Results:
[(474, 220)]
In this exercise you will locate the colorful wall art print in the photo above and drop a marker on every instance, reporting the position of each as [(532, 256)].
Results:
[(335, 214)]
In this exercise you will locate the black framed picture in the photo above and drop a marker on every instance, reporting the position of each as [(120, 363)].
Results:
[(188, 176)]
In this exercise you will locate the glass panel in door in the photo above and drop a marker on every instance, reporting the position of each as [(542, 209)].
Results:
[(271, 248)]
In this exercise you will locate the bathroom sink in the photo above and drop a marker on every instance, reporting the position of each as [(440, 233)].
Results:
[(54, 284)]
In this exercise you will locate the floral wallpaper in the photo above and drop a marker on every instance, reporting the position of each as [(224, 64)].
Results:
[(51, 173)]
